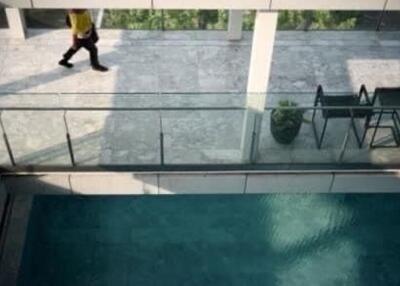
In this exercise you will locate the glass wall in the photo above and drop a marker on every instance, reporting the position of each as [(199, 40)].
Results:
[(327, 20), (218, 20), (3, 19), (166, 19), (45, 18), (390, 21)]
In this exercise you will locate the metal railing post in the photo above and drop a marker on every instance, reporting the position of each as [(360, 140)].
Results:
[(162, 21), (381, 16), (5, 137), (69, 142), (346, 137), (161, 141), (253, 146)]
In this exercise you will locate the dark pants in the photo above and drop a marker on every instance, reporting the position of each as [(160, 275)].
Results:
[(89, 45)]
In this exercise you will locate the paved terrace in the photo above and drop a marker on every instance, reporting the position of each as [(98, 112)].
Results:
[(185, 63)]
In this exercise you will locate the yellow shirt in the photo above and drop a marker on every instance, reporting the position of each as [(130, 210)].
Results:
[(81, 24)]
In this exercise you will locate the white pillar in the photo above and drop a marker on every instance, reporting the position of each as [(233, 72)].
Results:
[(257, 85), (235, 25), (16, 22), (99, 19)]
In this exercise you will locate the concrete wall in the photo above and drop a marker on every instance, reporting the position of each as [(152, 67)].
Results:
[(381, 183), (134, 184)]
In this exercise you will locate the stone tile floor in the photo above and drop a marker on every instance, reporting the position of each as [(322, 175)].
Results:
[(182, 64)]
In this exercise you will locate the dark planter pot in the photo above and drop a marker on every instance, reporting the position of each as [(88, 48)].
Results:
[(285, 132)]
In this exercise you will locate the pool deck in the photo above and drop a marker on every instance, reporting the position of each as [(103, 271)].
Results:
[(185, 63), (196, 61)]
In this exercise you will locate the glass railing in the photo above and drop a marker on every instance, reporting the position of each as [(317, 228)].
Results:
[(334, 135), (155, 130)]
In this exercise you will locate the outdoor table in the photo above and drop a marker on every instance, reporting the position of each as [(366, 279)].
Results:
[(389, 101)]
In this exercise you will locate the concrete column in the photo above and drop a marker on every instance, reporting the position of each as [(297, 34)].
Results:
[(257, 85), (16, 22), (99, 19), (235, 25)]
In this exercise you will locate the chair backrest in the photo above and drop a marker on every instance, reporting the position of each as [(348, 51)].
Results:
[(334, 100), (387, 94)]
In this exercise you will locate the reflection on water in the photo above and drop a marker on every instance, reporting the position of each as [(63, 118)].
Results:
[(296, 239), (297, 220)]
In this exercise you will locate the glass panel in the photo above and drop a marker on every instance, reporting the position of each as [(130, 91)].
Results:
[(287, 136), (203, 100), (166, 19), (132, 19), (28, 100), (327, 20), (195, 19), (275, 146), (183, 20), (115, 137), (3, 19), (36, 137), (202, 137), (109, 100), (198, 129), (390, 21), (80, 100), (320, 20), (248, 20), (45, 18)]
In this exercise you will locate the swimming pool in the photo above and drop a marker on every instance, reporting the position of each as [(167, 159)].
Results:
[(288, 239)]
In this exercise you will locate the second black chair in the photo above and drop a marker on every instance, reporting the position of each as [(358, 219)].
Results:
[(342, 106)]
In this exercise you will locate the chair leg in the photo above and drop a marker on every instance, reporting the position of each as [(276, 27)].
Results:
[(366, 127), (321, 138), (313, 115), (353, 125), (396, 127), (314, 128), (371, 144), (318, 138)]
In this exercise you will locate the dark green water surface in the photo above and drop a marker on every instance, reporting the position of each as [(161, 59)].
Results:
[(300, 239)]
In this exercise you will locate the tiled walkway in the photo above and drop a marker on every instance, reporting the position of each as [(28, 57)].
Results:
[(181, 62)]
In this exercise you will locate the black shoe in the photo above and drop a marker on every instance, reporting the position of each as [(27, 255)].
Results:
[(66, 64), (99, 68)]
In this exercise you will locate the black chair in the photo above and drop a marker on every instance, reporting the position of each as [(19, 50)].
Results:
[(388, 99), (352, 108)]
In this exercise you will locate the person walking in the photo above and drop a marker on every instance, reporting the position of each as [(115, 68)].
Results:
[(83, 35)]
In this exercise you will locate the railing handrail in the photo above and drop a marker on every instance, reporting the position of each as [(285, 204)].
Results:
[(176, 93), (74, 163), (200, 108)]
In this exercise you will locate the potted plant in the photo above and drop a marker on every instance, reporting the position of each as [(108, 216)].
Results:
[(286, 123)]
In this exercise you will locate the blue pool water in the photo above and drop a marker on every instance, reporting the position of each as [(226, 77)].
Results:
[(302, 239)]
